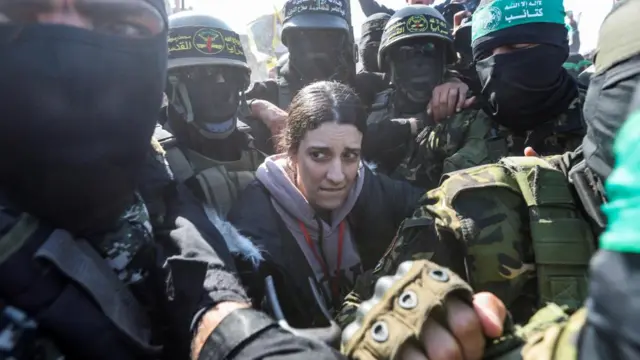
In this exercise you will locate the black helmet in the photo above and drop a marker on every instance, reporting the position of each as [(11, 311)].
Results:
[(315, 14), (200, 39), (208, 72), (415, 21)]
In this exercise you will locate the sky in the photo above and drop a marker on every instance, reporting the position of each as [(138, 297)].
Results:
[(238, 13)]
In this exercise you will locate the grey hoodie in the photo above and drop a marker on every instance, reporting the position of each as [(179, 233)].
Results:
[(294, 209)]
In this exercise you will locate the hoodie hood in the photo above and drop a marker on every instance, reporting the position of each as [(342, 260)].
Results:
[(273, 175), (313, 234)]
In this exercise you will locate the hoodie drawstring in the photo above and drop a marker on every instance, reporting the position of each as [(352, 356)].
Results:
[(334, 281)]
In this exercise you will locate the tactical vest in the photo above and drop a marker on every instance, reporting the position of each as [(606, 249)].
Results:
[(217, 183), (560, 238), (21, 338)]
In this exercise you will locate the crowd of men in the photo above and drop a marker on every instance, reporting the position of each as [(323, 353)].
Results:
[(120, 165)]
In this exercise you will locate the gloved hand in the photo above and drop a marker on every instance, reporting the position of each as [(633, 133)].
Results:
[(423, 312)]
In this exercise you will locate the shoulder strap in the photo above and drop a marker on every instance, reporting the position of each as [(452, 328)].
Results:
[(80, 262), (180, 165), (178, 162)]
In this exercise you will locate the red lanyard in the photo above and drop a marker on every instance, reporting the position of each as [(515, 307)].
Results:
[(333, 280)]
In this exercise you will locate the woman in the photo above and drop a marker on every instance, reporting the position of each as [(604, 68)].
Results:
[(315, 210)]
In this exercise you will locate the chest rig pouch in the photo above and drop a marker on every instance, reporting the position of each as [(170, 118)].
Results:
[(555, 232), (217, 183)]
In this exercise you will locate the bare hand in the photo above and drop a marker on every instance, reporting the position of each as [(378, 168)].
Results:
[(272, 116), (447, 99), (528, 151), (469, 329)]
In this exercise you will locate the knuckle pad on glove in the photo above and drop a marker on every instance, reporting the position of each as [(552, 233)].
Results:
[(400, 306)]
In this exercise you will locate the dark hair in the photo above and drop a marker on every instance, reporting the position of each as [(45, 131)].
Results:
[(318, 103)]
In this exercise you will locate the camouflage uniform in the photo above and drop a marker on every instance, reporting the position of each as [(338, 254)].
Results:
[(553, 136), (514, 228), (208, 147), (20, 339), (123, 246), (129, 249), (504, 236), (456, 143)]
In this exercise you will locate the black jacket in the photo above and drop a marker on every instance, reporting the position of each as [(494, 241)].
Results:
[(382, 205)]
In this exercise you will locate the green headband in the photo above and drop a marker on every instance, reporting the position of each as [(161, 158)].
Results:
[(502, 14)]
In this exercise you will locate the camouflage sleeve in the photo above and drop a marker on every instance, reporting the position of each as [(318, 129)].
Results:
[(361, 290), (473, 126), (550, 334), (455, 144), (416, 239), (480, 234), (21, 339)]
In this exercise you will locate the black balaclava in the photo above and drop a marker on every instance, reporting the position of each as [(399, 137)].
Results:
[(207, 98), (370, 41), (527, 86), (320, 54), (417, 66), (79, 111)]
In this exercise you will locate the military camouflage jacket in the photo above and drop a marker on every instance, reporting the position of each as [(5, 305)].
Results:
[(514, 228), (456, 143), (19, 337), (148, 259), (552, 137)]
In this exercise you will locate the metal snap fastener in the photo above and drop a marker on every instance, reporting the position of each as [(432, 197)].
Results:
[(408, 300), (439, 275), (380, 332)]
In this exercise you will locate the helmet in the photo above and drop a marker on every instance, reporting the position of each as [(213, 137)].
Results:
[(415, 21), (199, 39), (315, 14), (208, 71)]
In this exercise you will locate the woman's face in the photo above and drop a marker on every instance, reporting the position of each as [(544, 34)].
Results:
[(327, 164)]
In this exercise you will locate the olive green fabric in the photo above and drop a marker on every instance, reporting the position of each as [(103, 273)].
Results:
[(512, 228), (219, 182)]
